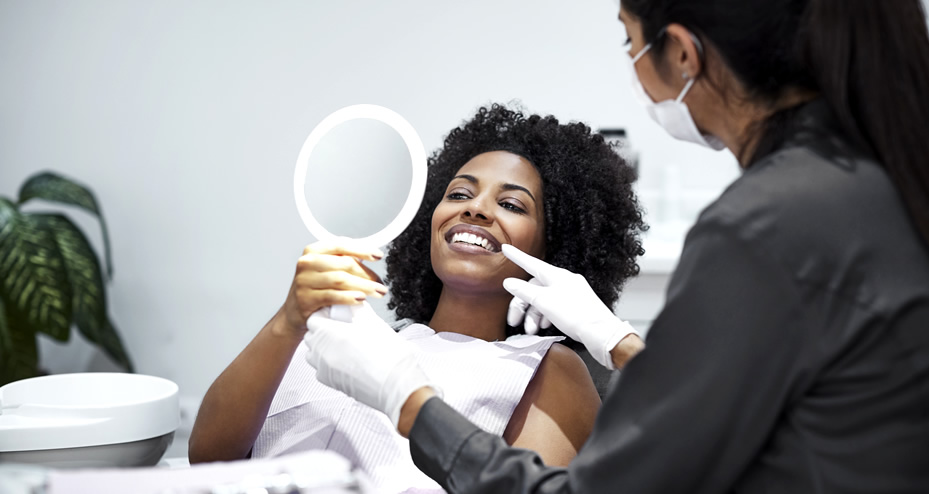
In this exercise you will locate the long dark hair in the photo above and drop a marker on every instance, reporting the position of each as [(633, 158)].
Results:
[(869, 59)]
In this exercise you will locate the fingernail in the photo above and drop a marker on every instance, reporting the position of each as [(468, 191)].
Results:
[(361, 298), (381, 290), (377, 255)]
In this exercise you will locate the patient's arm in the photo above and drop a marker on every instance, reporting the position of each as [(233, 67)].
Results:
[(557, 411), (236, 405)]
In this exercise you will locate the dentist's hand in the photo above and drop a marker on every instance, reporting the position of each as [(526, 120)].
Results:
[(567, 301), (365, 359), (529, 315)]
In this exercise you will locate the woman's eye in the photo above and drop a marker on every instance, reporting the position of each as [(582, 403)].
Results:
[(512, 207), (456, 196), (628, 42)]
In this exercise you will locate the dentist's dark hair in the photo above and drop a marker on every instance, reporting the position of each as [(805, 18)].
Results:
[(869, 59)]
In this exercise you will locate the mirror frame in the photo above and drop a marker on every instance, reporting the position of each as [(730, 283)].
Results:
[(417, 158)]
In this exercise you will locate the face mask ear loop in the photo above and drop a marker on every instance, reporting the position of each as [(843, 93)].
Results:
[(648, 46), (690, 84), (691, 80), (641, 53)]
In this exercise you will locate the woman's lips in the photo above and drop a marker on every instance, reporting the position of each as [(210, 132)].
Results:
[(471, 239)]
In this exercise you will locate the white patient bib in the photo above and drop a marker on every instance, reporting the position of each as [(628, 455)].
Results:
[(482, 380)]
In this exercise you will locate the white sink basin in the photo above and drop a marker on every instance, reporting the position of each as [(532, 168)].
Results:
[(88, 420)]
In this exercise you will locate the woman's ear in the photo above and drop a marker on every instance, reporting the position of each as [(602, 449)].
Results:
[(684, 52)]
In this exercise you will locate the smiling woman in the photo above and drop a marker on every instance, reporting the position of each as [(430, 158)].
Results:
[(502, 178), (577, 190), (490, 202)]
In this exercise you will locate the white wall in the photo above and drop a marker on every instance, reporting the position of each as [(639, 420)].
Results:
[(186, 117)]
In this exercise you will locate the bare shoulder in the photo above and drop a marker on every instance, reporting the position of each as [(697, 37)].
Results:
[(557, 411), (564, 364), (563, 381)]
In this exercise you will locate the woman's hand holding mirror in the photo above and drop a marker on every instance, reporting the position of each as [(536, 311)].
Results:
[(332, 146), (331, 272)]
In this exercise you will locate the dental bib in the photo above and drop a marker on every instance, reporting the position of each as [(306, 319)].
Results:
[(89, 420)]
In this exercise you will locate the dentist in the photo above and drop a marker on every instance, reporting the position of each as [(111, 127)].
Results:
[(793, 351)]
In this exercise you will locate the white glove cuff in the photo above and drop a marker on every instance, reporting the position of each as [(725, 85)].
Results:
[(602, 354), (405, 378)]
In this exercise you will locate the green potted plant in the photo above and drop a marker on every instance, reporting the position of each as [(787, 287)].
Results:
[(51, 278)]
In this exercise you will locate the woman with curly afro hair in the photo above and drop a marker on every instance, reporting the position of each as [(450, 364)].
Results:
[(555, 191), (592, 220)]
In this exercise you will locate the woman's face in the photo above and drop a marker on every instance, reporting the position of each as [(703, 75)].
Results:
[(494, 199)]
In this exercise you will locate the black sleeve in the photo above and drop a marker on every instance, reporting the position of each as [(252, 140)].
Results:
[(461, 457), (687, 415)]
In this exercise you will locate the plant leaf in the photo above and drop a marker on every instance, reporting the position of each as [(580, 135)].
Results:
[(6, 332), (19, 354), (55, 188), (89, 291), (111, 343), (35, 286)]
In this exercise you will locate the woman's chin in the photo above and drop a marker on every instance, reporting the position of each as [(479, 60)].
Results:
[(472, 269), (473, 282)]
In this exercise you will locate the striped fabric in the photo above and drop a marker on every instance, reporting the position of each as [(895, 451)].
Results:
[(482, 380)]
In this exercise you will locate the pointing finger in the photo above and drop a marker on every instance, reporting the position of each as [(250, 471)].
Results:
[(523, 290), (535, 267)]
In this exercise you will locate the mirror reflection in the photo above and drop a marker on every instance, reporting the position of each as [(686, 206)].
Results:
[(358, 177)]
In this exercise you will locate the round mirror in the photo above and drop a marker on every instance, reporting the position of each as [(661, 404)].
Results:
[(361, 174)]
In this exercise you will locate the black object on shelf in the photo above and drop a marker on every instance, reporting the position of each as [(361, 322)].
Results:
[(620, 141)]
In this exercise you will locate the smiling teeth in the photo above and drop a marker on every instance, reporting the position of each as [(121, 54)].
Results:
[(470, 238)]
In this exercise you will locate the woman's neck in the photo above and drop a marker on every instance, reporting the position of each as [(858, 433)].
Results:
[(481, 316), (740, 128)]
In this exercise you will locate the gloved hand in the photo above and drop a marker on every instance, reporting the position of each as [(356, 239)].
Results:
[(567, 301), (365, 359), (523, 312)]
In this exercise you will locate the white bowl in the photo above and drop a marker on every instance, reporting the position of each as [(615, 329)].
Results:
[(88, 420)]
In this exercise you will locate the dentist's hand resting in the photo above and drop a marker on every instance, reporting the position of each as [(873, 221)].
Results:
[(558, 296), (365, 359)]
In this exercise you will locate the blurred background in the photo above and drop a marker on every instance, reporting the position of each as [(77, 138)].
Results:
[(186, 118)]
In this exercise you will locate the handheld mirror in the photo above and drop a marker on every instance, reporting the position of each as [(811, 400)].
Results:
[(363, 171)]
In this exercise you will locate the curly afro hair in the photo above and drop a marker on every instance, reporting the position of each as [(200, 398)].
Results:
[(592, 219)]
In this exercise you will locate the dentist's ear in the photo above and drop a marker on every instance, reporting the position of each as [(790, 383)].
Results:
[(684, 52)]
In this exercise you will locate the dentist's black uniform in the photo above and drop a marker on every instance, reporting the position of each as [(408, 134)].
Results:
[(792, 355)]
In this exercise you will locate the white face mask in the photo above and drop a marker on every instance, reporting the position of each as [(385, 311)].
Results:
[(672, 115)]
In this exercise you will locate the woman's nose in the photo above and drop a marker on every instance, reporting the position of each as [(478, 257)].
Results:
[(476, 210)]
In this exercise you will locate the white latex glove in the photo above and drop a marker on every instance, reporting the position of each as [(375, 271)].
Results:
[(364, 359), (521, 312), (565, 299)]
